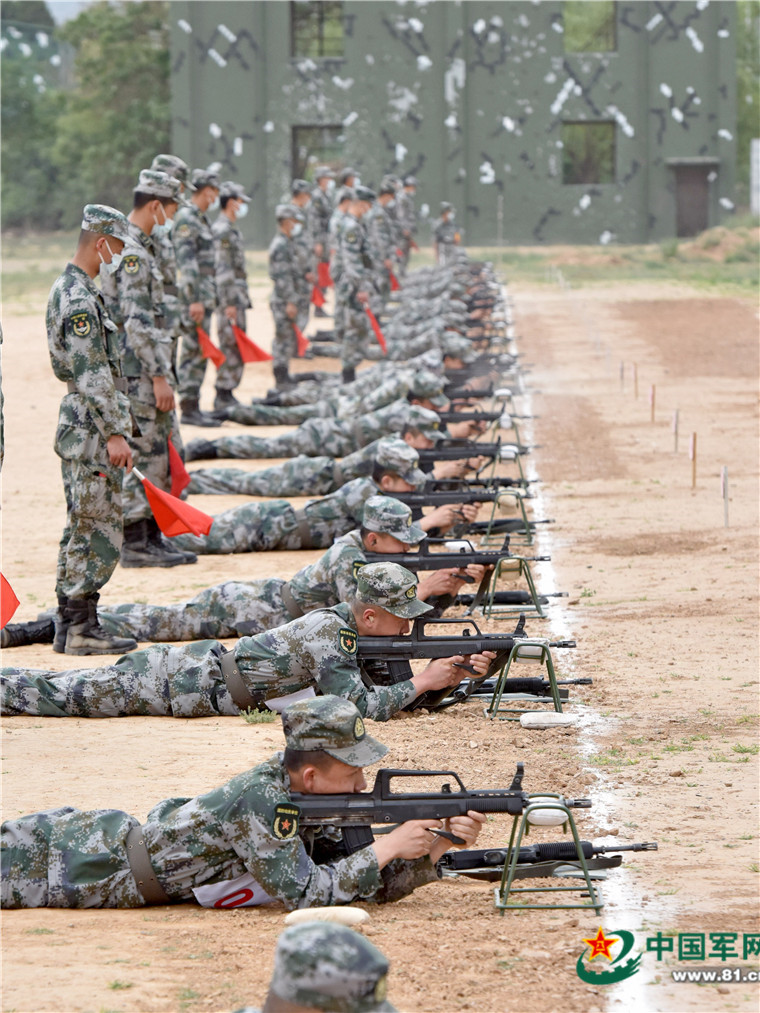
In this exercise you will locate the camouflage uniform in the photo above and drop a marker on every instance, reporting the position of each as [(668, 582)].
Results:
[(407, 218), (381, 247), (321, 209), (166, 258), (84, 353), (355, 271), (445, 236), (244, 832), (232, 290), (195, 251), (283, 270)]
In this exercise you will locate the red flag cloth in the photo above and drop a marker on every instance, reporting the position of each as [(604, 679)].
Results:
[(316, 296), (249, 350), (209, 349), (303, 342), (172, 515), (399, 252), (394, 282), (177, 470), (8, 602), (376, 328), (323, 275)]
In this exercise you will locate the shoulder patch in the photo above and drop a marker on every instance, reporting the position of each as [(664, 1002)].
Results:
[(356, 566), (81, 323), (351, 236), (131, 263), (347, 641), (285, 821), (184, 230)]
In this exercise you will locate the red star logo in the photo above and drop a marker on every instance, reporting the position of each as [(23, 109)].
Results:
[(600, 944), (285, 824)]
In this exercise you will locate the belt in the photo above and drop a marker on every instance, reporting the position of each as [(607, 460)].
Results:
[(289, 601), (242, 697), (119, 382), (303, 529), (171, 290), (139, 862)]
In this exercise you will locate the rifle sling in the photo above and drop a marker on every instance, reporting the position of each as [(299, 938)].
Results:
[(294, 609), (242, 697), (142, 869), (304, 530)]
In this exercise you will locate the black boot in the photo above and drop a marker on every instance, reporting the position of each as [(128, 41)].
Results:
[(192, 414), (349, 374), (200, 450), (138, 550), (41, 631), (61, 625), (224, 398), (156, 539), (281, 378), (86, 635), (319, 312)]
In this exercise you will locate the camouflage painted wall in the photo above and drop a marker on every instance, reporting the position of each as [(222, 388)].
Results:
[(471, 97)]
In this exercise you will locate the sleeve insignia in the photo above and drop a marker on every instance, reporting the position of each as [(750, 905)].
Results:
[(183, 230), (351, 236), (131, 263), (347, 641), (356, 566), (81, 324), (285, 821)]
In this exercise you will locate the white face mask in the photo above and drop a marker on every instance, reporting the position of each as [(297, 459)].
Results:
[(330, 188), (113, 267), (452, 215), (295, 230), (242, 211), (157, 223), (357, 181), (214, 205), (391, 203)]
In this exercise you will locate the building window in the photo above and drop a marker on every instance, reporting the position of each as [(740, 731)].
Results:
[(588, 152), (589, 26), (313, 146), (316, 29)]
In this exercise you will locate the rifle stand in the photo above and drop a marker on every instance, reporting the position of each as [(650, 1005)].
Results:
[(517, 496), (512, 567), (530, 652), (506, 892)]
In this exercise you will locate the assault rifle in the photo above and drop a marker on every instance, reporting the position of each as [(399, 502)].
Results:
[(458, 450), (538, 860), (356, 812)]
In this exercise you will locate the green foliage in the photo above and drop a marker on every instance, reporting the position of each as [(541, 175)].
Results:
[(253, 717), (82, 135)]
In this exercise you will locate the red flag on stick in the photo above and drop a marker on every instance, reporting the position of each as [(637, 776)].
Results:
[(172, 515), (249, 350), (177, 470), (209, 349), (316, 296), (376, 328), (8, 602), (394, 282), (303, 343), (323, 275)]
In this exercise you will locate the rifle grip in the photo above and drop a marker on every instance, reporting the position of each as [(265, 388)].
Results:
[(356, 838)]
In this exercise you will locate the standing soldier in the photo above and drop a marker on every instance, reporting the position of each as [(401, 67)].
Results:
[(321, 212), (300, 196), (407, 217), (353, 282), (380, 236), (283, 270), (146, 350), (231, 289), (166, 258), (445, 235), (93, 423), (195, 249)]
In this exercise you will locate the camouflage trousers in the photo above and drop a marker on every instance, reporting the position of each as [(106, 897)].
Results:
[(150, 449), (284, 343), (314, 438), (91, 541), (230, 372), (358, 336), (192, 364), (67, 858), (163, 681), (300, 476), (237, 608), (272, 415), (252, 527)]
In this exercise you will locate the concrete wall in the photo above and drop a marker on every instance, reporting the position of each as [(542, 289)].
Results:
[(471, 97)]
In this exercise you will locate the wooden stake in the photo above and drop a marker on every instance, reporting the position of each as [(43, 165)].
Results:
[(724, 493), (635, 380), (651, 403), (693, 459), (675, 431), (622, 375)]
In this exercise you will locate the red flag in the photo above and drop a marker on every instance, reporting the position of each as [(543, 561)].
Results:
[(399, 252), (316, 296), (172, 515), (209, 349), (249, 350), (376, 328), (394, 282), (177, 470), (323, 274), (303, 343), (8, 602)]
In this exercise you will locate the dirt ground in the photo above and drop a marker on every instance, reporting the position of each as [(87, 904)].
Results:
[(662, 600)]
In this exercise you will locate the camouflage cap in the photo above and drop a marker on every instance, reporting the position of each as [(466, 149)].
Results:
[(346, 174), (323, 170), (345, 193), (392, 587), (105, 221), (173, 165), (386, 186), (458, 347), (445, 206), (400, 459), (364, 193), (283, 211), (204, 177), (425, 421), (388, 516), (428, 385), (234, 190), (326, 966), (410, 181), (300, 186), (333, 724), (158, 184)]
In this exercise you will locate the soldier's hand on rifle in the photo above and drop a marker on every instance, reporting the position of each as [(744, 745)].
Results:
[(231, 313), (477, 571), (409, 840), (291, 310), (480, 662), (442, 672), (119, 452), (467, 827), (196, 312), (442, 517), (469, 511), (163, 394), (451, 469), (466, 430)]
